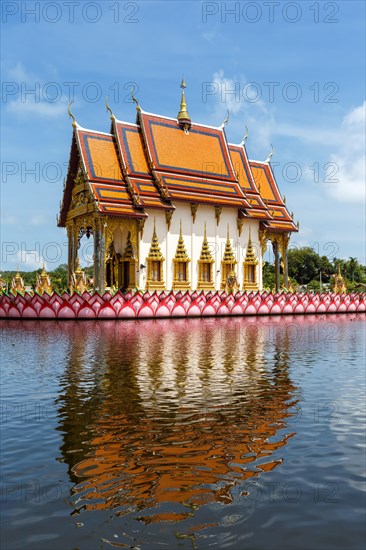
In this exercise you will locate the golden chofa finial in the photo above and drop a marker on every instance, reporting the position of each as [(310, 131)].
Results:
[(108, 108), (226, 120), (184, 120), (74, 123), (268, 159), (138, 108), (245, 137)]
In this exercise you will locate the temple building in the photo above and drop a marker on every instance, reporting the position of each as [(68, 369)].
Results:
[(172, 205)]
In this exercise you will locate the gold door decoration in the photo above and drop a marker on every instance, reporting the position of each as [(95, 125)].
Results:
[(205, 267), (250, 268), (116, 277), (155, 260), (228, 263), (181, 265), (127, 275)]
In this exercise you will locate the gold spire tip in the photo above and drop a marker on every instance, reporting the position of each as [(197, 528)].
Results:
[(74, 123)]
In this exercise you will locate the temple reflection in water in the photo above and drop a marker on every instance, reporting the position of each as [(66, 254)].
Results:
[(156, 415)]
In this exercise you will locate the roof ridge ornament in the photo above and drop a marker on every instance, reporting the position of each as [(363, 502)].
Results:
[(109, 109), (226, 120), (138, 108), (74, 123), (268, 159), (245, 137), (184, 120)]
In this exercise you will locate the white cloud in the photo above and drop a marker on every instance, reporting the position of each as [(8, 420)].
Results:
[(42, 108), (344, 173), (350, 159), (19, 74), (307, 134), (25, 94), (209, 36), (35, 220), (27, 260), (240, 97)]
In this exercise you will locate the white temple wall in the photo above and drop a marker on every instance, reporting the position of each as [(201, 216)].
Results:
[(193, 237)]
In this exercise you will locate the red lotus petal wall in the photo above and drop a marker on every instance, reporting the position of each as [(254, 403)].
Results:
[(174, 304)]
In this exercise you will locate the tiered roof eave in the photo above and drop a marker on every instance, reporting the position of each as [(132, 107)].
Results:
[(190, 192)]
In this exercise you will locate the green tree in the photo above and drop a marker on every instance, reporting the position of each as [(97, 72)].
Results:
[(59, 278), (303, 264), (268, 275)]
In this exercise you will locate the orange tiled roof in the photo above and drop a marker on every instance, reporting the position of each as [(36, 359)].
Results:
[(194, 167), (132, 153), (245, 177), (157, 162), (202, 152), (100, 157), (131, 148), (268, 188)]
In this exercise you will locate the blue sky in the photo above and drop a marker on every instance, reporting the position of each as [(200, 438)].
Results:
[(293, 72)]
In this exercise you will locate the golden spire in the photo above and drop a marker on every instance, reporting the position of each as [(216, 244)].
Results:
[(181, 253), (229, 254), (205, 250), (250, 254), (155, 252), (183, 117)]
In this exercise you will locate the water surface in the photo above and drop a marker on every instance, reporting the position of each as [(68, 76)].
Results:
[(188, 433)]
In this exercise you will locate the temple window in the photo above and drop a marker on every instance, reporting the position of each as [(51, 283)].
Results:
[(181, 261), (155, 270), (250, 268), (205, 263), (154, 260)]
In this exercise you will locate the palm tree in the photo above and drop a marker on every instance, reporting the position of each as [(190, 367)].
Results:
[(352, 265)]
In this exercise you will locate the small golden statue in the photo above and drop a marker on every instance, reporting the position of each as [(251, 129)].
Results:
[(78, 280), (17, 285), (2, 285), (43, 283), (339, 284), (231, 282)]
